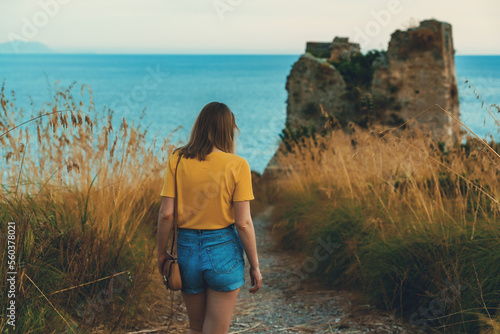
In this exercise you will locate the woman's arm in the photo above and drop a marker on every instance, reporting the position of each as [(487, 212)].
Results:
[(165, 222), (246, 232)]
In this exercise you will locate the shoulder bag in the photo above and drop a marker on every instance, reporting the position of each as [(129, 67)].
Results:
[(170, 267)]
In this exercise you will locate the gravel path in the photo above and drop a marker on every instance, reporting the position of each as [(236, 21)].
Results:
[(284, 304), (288, 304)]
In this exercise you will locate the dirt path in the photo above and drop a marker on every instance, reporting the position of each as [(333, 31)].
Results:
[(285, 304)]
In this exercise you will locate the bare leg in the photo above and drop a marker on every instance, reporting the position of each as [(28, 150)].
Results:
[(220, 307), (196, 306)]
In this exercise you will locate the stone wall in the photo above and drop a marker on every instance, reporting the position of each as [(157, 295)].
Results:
[(418, 71)]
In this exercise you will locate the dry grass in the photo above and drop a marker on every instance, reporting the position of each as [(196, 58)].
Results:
[(406, 174), (84, 197), (408, 212)]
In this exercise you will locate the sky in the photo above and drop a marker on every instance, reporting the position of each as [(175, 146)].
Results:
[(239, 26)]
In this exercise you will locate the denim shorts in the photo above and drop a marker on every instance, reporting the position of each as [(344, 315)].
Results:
[(210, 258)]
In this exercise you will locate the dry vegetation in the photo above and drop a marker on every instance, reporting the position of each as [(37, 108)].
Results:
[(413, 219), (84, 197)]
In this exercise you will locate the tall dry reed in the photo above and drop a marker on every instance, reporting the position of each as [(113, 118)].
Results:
[(84, 196), (410, 216)]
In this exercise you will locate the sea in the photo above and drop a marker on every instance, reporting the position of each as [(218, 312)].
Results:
[(165, 93)]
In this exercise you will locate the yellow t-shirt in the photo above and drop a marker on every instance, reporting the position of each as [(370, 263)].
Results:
[(207, 189)]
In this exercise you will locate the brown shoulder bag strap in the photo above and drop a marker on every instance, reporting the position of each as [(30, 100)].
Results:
[(176, 217)]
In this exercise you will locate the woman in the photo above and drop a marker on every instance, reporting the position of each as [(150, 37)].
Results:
[(214, 189)]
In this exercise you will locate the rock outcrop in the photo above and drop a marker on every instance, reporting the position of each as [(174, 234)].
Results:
[(311, 83), (380, 88)]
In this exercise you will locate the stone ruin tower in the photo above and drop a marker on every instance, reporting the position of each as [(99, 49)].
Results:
[(419, 69), (415, 73)]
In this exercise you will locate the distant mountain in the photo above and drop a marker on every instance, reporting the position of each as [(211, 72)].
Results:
[(23, 47)]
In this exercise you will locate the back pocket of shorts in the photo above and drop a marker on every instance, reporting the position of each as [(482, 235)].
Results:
[(223, 257), (184, 255)]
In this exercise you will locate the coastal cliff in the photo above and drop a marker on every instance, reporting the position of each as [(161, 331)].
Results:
[(384, 88)]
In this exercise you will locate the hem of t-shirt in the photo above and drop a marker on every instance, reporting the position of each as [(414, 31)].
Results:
[(203, 227), (167, 195)]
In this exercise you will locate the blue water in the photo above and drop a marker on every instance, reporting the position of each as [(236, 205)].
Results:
[(174, 88), (483, 72)]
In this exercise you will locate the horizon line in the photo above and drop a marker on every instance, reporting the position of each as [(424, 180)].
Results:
[(183, 54)]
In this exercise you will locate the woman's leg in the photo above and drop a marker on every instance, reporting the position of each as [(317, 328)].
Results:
[(220, 306), (196, 306)]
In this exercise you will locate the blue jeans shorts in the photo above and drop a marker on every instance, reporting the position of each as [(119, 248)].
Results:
[(210, 258)]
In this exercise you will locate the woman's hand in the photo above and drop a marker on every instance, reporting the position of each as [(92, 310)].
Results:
[(255, 278), (161, 258)]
